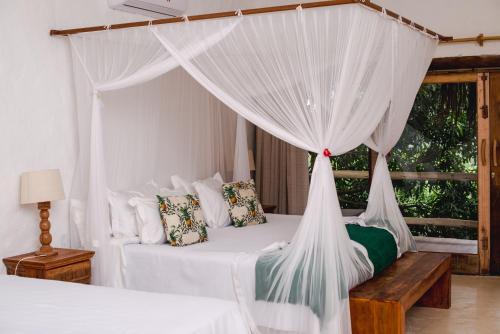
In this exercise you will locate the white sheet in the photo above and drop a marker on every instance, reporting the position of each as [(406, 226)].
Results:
[(41, 306), (202, 269)]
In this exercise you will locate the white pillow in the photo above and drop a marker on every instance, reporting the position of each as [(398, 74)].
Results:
[(123, 222), (149, 189), (213, 205), (148, 220), (147, 213), (164, 192), (179, 182), (218, 177)]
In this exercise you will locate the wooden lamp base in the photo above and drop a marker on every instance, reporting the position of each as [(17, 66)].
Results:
[(45, 236)]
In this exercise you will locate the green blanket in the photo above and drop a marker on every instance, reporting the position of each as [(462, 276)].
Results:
[(379, 243), (382, 252)]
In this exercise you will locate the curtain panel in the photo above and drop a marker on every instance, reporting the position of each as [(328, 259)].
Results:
[(282, 174), (408, 72), (103, 61)]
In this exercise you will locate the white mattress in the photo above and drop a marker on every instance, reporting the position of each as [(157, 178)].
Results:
[(202, 269), (41, 306)]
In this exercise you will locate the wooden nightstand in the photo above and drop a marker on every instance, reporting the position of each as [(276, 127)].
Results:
[(70, 265), (268, 208)]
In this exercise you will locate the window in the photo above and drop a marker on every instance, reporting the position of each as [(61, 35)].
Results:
[(351, 179), (433, 167), (434, 164)]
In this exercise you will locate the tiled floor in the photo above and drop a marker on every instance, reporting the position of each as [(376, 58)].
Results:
[(475, 309)]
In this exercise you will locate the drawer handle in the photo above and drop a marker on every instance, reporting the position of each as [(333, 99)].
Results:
[(483, 152), (495, 161)]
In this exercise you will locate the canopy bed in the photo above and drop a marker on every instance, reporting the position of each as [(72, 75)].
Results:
[(205, 269), (322, 77), (61, 307)]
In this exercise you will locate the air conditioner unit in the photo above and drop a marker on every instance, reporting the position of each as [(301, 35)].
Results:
[(158, 9)]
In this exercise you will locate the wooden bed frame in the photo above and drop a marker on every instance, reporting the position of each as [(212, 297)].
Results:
[(378, 306)]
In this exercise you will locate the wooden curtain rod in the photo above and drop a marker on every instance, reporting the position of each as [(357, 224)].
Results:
[(262, 10), (479, 39)]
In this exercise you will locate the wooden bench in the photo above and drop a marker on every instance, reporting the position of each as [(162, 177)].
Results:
[(378, 306)]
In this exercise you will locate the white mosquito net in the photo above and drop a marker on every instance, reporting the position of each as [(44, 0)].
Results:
[(325, 80), (407, 76), (141, 118)]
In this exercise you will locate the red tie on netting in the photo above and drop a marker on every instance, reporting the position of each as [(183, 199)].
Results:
[(326, 152)]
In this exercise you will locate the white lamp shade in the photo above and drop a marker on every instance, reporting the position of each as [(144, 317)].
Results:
[(41, 186), (251, 161)]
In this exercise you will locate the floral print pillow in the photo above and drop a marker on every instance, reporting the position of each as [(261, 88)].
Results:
[(244, 206), (182, 219)]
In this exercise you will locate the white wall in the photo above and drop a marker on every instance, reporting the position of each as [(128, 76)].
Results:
[(458, 18), (37, 122)]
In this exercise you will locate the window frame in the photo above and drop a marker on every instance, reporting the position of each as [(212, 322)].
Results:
[(467, 263)]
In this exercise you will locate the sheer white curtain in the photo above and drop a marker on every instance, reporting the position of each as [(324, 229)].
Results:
[(137, 123), (241, 170), (109, 60), (318, 79), (166, 126), (408, 72)]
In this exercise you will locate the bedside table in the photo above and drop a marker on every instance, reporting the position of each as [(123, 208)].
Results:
[(70, 265), (268, 208)]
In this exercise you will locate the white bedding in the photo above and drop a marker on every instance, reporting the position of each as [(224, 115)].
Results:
[(40, 306), (202, 269)]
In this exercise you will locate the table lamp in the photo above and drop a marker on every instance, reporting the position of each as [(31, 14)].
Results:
[(42, 187)]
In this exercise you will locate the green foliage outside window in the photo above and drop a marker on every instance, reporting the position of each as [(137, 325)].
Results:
[(353, 193), (440, 136)]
